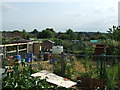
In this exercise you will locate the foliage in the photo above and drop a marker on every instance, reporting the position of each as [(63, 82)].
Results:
[(113, 45), (57, 41), (68, 69), (90, 70), (57, 67), (19, 78), (25, 34), (69, 72), (111, 76), (114, 33), (46, 34), (50, 29), (71, 35), (89, 49), (79, 36), (63, 37), (35, 31), (67, 47)]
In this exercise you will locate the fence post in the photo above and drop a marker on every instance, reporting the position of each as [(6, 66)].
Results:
[(31, 58), (4, 51), (63, 64), (101, 69), (17, 51), (102, 66), (39, 61)]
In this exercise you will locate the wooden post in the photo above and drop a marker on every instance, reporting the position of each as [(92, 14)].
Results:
[(4, 52), (27, 47), (101, 68), (17, 51), (31, 63), (63, 64), (39, 61)]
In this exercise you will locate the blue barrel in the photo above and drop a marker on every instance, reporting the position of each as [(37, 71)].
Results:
[(17, 57), (27, 59), (28, 55), (52, 61)]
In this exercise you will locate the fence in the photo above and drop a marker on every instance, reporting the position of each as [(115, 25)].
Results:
[(72, 66)]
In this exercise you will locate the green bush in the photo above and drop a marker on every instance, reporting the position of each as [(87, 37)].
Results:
[(19, 78)]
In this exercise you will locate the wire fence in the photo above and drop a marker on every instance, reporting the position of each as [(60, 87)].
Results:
[(105, 60), (102, 66)]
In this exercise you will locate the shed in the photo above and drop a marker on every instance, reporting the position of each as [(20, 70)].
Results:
[(47, 45)]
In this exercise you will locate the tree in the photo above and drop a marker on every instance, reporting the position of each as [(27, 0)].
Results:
[(102, 37), (114, 33), (46, 34), (69, 31), (50, 29), (16, 31), (25, 34), (71, 35), (57, 41), (63, 36), (35, 31), (79, 36)]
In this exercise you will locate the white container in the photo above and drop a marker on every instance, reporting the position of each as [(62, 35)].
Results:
[(57, 49)]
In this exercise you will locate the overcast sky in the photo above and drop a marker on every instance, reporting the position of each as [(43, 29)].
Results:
[(82, 15)]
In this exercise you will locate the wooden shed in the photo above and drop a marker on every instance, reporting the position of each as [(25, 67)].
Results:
[(37, 47), (47, 45)]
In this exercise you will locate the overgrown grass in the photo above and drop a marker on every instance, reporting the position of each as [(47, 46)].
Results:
[(111, 76), (78, 67)]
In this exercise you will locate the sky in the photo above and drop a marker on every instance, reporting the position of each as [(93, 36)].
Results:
[(78, 15)]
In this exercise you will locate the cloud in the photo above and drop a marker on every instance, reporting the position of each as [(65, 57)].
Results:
[(0, 16), (119, 13), (47, 0), (79, 16), (60, 0), (8, 7), (75, 14)]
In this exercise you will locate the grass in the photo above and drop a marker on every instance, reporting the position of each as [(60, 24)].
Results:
[(111, 77)]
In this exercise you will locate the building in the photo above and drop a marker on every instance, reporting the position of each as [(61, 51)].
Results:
[(47, 45), (15, 34)]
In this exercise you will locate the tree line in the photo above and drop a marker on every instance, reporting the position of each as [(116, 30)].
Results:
[(69, 34)]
